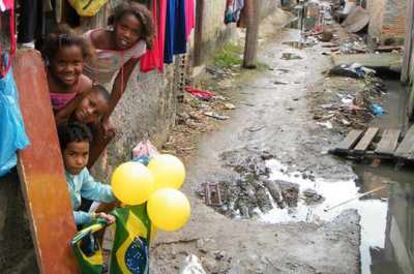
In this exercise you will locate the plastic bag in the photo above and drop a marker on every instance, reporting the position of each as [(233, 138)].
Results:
[(87, 7), (12, 134), (143, 152), (192, 265), (87, 250)]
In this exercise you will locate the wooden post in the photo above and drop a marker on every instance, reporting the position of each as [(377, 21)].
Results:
[(408, 44), (41, 170), (252, 30), (198, 33)]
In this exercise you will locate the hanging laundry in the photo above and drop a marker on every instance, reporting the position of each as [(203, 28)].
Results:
[(233, 9), (12, 133), (175, 33), (37, 19), (190, 19), (87, 7), (6, 5), (154, 58), (6, 59)]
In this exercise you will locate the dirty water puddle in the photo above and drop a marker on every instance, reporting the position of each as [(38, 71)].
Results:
[(269, 191), (372, 211)]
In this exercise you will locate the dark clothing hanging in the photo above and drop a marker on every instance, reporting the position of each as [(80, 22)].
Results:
[(36, 20), (175, 33), (29, 20)]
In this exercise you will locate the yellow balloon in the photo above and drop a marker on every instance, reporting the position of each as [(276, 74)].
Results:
[(168, 209), (168, 171), (132, 183)]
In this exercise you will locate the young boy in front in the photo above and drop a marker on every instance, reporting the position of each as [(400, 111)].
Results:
[(74, 141)]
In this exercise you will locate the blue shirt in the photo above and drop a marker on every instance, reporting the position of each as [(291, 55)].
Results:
[(84, 185)]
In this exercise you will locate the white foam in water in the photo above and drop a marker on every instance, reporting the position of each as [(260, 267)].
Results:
[(372, 212)]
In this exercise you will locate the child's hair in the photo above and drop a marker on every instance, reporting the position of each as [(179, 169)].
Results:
[(69, 132), (141, 13), (64, 36), (102, 91)]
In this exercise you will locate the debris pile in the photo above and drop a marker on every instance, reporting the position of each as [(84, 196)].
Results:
[(348, 102), (199, 107), (250, 192)]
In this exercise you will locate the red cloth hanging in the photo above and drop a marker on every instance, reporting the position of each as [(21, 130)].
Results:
[(154, 58), (190, 19)]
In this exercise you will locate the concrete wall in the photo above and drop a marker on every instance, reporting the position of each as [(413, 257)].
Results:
[(215, 32), (376, 12), (387, 19), (147, 108)]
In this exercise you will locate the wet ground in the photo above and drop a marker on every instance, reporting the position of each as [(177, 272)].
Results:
[(287, 206), (273, 121)]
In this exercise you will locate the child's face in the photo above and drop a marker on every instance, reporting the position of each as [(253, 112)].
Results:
[(75, 156), (91, 109), (67, 65), (127, 31)]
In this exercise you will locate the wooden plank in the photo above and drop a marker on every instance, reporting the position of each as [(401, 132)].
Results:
[(406, 148), (388, 142), (41, 170), (350, 140), (364, 143)]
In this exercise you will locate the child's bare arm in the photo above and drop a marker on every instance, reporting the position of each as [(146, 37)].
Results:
[(120, 83), (65, 113)]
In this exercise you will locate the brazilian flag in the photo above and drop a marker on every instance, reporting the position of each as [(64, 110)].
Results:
[(88, 251), (130, 251), (133, 230)]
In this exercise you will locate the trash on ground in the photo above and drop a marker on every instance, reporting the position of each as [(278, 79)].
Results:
[(290, 56), (326, 124), (377, 110), (212, 195), (200, 94), (216, 115), (279, 83), (191, 265), (353, 70), (229, 106)]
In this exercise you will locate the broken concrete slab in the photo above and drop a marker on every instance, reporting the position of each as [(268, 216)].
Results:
[(357, 19), (371, 60)]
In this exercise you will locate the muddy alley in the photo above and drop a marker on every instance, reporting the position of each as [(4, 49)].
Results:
[(267, 195)]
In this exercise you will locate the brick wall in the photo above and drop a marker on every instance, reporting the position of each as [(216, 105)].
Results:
[(387, 19)]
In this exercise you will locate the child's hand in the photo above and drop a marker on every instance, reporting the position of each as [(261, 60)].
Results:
[(108, 128), (110, 219)]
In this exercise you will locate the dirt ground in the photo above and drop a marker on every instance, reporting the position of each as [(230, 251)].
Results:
[(273, 117)]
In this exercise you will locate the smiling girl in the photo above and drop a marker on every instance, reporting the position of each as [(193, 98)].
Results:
[(65, 54), (118, 48)]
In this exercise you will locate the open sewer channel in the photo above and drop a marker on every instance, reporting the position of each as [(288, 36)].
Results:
[(387, 214)]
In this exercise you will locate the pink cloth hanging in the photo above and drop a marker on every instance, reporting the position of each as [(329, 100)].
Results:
[(190, 19), (6, 5)]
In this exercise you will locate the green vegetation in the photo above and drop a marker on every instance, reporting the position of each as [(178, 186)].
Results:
[(229, 56)]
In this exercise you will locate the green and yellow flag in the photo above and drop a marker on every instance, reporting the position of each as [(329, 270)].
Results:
[(130, 252)]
